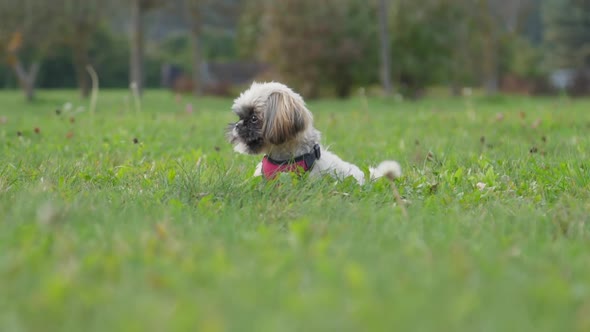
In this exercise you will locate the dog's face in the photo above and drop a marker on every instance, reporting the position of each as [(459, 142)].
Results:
[(269, 114)]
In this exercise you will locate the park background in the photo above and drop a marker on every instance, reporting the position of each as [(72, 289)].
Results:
[(124, 208), (320, 48)]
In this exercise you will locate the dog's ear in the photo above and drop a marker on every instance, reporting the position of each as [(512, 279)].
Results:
[(285, 117)]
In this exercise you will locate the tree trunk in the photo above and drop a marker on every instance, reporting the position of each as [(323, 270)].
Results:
[(459, 57), (197, 84), (344, 82), (494, 28), (195, 18), (136, 61), (385, 47), (492, 70), (26, 79), (81, 60)]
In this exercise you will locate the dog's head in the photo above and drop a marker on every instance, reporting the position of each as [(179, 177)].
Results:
[(270, 114)]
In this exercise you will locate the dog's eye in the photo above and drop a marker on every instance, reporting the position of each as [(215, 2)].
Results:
[(253, 119)]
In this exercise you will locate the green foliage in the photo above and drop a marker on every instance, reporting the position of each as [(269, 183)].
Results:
[(521, 57), (249, 29), (22, 17), (332, 43), (568, 33), (177, 50), (424, 34), (215, 46), (7, 79), (317, 43), (463, 43), (318, 47), (109, 54), (172, 233)]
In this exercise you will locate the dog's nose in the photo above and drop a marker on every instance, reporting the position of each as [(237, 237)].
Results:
[(240, 123)]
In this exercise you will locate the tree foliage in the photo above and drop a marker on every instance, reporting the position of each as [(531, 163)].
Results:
[(197, 11), (336, 43), (77, 28), (568, 33), (27, 33), (455, 42), (426, 36), (311, 43), (318, 47)]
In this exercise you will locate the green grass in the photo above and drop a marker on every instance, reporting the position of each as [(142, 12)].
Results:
[(100, 234)]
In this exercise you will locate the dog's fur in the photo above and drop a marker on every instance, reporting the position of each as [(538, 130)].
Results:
[(275, 121)]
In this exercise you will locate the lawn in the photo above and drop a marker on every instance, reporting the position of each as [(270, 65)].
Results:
[(142, 218)]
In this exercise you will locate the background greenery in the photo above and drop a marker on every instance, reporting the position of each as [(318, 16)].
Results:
[(321, 48), (172, 233)]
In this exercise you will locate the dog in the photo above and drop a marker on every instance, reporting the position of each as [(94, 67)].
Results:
[(274, 121)]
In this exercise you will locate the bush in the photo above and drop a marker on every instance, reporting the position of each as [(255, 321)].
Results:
[(319, 43)]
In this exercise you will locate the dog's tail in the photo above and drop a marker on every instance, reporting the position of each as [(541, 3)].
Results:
[(388, 168)]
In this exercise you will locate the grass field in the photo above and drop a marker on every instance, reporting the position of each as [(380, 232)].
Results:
[(143, 219)]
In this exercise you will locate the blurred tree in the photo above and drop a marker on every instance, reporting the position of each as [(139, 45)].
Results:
[(198, 11), (425, 35), (109, 55), (249, 29), (568, 33), (310, 43), (500, 22), (216, 46), (351, 56), (202, 18), (385, 46), (78, 25), (458, 33), (195, 11), (136, 64), (27, 33), (456, 42)]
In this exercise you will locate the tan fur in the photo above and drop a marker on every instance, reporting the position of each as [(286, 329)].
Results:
[(285, 118)]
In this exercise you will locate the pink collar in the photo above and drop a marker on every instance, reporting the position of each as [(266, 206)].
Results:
[(298, 165)]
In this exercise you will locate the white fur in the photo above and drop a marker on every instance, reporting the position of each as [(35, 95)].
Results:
[(329, 163), (332, 165)]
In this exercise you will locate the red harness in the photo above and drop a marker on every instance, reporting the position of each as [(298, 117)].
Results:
[(298, 165)]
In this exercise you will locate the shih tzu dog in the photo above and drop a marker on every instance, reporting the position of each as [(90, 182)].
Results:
[(274, 121)]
